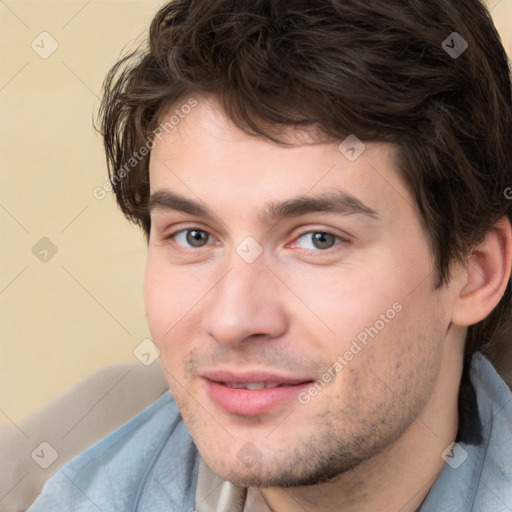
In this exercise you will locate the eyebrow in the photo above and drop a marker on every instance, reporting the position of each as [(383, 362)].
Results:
[(334, 201)]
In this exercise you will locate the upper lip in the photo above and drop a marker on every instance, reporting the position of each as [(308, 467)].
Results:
[(252, 377)]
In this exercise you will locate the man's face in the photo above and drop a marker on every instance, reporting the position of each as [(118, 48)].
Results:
[(262, 285)]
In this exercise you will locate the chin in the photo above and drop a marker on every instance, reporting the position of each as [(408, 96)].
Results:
[(282, 474)]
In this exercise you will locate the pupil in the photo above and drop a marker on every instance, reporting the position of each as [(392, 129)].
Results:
[(323, 240), (196, 238)]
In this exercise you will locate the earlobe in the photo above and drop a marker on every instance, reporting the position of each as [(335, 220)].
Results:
[(487, 274)]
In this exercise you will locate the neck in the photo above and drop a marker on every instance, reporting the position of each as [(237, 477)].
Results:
[(397, 478)]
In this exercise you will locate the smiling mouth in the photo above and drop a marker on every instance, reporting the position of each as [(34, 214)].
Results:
[(253, 398)]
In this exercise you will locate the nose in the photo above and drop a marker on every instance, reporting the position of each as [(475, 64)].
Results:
[(244, 304)]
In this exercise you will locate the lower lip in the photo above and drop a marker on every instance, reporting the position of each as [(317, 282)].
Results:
[(252, 402)]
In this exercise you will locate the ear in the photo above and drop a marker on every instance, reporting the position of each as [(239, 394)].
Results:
[(485, 277)]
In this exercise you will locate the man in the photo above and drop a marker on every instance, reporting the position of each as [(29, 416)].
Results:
[(325, 190)]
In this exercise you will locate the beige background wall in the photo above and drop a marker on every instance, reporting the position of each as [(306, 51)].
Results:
[(82, 308)]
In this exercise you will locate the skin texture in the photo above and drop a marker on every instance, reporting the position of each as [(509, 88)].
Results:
[(372, 438)]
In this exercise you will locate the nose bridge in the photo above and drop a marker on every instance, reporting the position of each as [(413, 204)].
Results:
[(244, 303)]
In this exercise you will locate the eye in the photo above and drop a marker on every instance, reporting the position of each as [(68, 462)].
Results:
[(317, 240), (191, 238)]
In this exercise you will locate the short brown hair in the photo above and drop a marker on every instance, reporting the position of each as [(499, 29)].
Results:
[(379, 70)]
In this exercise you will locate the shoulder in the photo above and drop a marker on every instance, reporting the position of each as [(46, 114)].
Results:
[(114, 474), (495, 410), (493, 398), (477, 477)]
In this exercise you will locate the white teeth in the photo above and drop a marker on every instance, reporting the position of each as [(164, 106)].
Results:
[(251, 385), (255, 385)]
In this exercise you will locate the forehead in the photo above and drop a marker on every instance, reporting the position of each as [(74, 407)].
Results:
[(205, 157)]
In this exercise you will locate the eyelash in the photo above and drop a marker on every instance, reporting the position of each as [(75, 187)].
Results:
[(339, 240)]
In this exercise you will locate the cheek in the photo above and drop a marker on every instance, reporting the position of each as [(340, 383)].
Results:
[(402, 352), (175, 301), (337, 305), (158, 299), (169, 297), (368, 318), (395, 365)]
